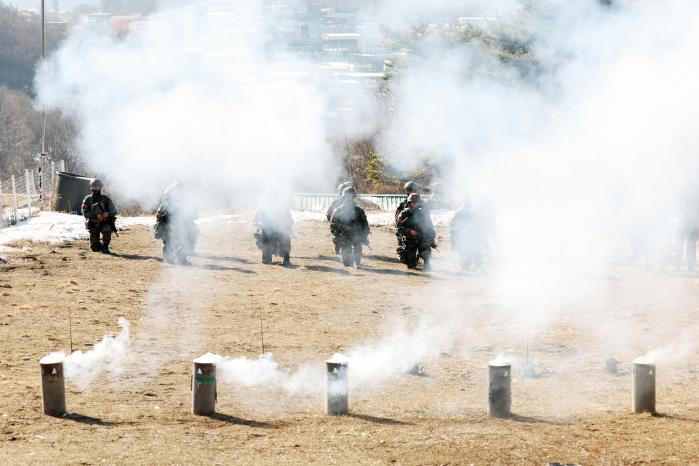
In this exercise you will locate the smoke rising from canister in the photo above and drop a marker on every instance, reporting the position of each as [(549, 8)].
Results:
[(108, 356), (337, 385)]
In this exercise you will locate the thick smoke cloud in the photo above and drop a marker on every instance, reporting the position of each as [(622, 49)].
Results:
[(582, 150), (194, 94)]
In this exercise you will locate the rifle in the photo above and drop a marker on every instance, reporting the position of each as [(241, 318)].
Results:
[(111, 219)]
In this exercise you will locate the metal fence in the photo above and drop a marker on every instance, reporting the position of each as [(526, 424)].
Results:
[(20, 196), (319, 202)]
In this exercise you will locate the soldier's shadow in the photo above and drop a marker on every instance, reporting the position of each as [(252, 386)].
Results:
[(392, 260), (219, 267), (390, 271), (227, 259), (320, 257), (322, 268), (138, 257), (89, 420)]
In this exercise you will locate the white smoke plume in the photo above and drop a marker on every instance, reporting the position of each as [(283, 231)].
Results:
[(197, 93), (107, 357), (265, 372), (580, 150), (675, 353), (371, 366)]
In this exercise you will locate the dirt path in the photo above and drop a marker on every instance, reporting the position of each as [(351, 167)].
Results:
[(574, 412)]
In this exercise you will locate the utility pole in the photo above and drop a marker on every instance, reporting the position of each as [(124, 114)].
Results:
[(44, 156), (43, 56)]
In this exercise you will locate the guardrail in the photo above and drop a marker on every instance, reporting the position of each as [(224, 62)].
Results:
[(319, 202)]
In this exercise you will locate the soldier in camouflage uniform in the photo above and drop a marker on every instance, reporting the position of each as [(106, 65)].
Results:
[(350, 228), (100, 217), (273, 231), (335, 204), (175, 225), (417, 235), (410, 188), (469, 235)]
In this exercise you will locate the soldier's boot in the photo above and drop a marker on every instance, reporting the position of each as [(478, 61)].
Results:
[(266, 259), (337, 247), (402, 255), (267, 253), (346, 256), (425, 255), (106, 239), (411, 258), (168, 254), (286, 262), (411, 263), (95, 245), (357, 256)]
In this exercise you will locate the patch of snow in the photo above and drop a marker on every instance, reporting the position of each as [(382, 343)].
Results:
[(224, 219), (307, 216), (56, 228), (124, 222), (47, 227), (381, 219)]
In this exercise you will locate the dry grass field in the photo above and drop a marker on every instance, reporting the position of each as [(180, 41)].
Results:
[(574, 412)]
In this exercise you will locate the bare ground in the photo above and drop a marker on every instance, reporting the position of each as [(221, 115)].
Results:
[(574, 412)]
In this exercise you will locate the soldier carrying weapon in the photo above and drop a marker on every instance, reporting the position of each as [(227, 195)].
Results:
[(100, 217), (175, 225), (273, 224), (416, 234), (335, 204), (350, 228)]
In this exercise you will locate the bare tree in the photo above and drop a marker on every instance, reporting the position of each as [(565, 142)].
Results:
[(20, 134)]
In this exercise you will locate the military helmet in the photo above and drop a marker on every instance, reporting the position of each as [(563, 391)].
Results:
[(341, 187), (349, 190), (96, 184), (414, 197), (411, 187)]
